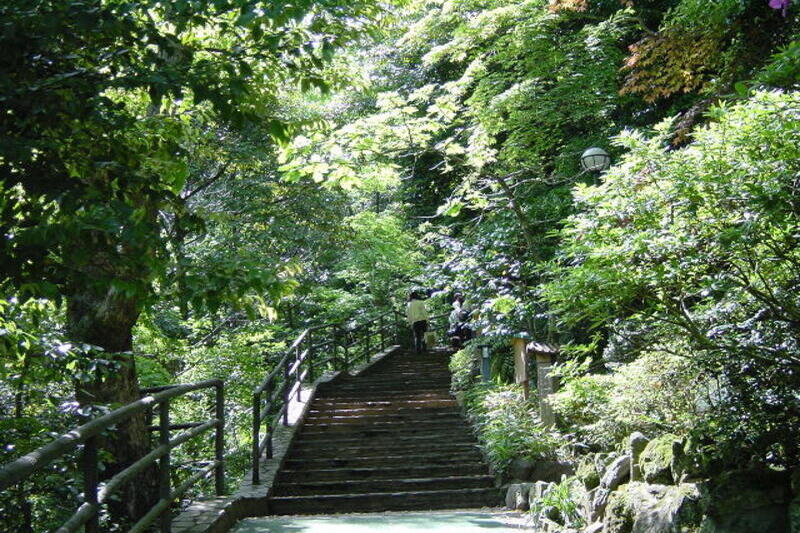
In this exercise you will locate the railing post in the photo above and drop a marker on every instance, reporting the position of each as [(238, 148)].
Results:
[(368, 333), (346, 346), (164, 485), (90, 482), (286, 392), (337, 341), (397, 322), (298, 352), (219, 440), (256, 437), (310, 355), (383, 333), (486, 369), (268, 391)]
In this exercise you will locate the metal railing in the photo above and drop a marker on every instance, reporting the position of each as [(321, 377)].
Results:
[(440, 325), (334, 347), (88, 435)]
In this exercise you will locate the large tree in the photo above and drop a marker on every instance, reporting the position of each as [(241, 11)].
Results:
[(97, 102)]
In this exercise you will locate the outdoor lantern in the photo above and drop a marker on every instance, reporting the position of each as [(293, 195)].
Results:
[(595, 159)]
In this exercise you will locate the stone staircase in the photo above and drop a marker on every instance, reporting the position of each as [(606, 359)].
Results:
[(389, 439)]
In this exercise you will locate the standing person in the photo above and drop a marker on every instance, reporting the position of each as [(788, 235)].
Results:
[(454, 331), (418, 320)]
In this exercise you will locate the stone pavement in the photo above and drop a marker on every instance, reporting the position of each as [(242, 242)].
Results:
[(413, 522)]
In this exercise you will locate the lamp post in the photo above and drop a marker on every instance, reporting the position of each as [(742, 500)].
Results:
[(486, 362), (595, 160)]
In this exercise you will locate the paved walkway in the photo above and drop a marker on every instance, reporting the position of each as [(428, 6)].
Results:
[(433, 522)]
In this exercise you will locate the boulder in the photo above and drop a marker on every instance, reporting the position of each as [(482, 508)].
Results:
[(616, 473), (637, 442), (587, 473), (655, 461), (665, 509), (599, 503), (517, 496), (618, 513), (536, 491), (551, 471), (686, 467), (642, 508), (745, 501), (521, 469), (596, 527)]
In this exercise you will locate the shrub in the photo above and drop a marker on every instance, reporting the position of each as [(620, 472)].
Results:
[(508, 426), (702, 243), (654, 394), (560, 504), (464, 368)]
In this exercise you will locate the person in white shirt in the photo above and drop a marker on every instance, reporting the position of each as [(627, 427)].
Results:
[(418, 320)]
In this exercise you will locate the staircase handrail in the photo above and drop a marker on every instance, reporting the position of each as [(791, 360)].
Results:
[(87, 515), (271, 398)]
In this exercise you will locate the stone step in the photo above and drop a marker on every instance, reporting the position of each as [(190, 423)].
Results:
[(380, 428), (394, 390), (386, 378), (334, 417), (427, 400), (362, 486), (454, 433), (419, 397), (408, 371), (368, 450), (381, 410), (386, 472), (382, 461), (386, 501)]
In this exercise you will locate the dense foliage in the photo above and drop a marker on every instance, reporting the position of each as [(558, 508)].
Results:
[(186, 185)]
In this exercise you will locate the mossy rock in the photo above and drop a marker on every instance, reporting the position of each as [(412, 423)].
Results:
[(619, 512), (656, 460), (744, 501), (587, 473)]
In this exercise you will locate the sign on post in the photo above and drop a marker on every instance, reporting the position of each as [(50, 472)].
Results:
[(521, 365), (546, 383)]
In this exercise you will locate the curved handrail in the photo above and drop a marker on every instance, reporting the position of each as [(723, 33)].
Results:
[(87, 514), (345, 345), (15, 471), (272, 396)]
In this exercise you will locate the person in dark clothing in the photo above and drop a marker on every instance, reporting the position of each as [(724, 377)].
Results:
[(459, 331)]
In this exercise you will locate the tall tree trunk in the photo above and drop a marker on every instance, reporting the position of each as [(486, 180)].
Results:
[(105, 318)]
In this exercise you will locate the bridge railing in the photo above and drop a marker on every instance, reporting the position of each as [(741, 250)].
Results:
[(328, 347), (89, 434)]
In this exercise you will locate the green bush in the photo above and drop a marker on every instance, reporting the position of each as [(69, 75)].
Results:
[(464, 368), (580, 400), (655, 394), (701, 245), (560, 504), (508, 426)]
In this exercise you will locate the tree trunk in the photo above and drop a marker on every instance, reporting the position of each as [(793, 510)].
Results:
[(105, 318)]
